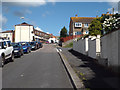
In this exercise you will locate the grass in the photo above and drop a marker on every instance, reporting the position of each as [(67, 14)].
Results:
[(69, 45)]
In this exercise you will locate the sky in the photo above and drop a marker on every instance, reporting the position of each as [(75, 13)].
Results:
[(50, 17)]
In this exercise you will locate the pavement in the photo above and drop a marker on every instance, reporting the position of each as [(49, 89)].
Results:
[(93, 75), (42, 68)]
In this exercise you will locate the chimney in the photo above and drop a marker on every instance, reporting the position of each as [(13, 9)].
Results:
[(76, 15), (107, 13)]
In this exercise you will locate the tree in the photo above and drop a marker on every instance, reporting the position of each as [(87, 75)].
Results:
[(95, 27), (63, 32)]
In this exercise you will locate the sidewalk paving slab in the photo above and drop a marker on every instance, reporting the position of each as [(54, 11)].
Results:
[(90, 72)]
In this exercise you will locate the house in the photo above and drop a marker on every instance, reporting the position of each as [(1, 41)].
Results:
[(8, 35), (79, 25), (53, 39), (40, 35), (25, 32)]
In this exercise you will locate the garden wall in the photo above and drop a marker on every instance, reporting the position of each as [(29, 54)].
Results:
[(110, 49)]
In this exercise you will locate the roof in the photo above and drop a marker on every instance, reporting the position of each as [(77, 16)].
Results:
[(8, 31), (40, 31), (108, 14), (24, 24), (82, 19)]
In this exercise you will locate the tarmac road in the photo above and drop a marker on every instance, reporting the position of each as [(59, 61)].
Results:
[(39, 69)]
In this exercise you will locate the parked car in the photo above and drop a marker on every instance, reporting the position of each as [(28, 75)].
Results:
[(6, 51), (47, 42), (18, 49), (40, 45), (60, 43), (26, 47), (0, 61), (33, 45)]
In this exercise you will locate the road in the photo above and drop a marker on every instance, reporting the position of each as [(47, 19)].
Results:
[(39, 69)]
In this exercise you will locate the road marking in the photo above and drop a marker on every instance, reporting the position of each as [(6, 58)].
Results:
[(21, 75), (60, 50), (57, 50)]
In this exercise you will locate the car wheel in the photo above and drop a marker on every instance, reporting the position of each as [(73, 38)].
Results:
[(3, 61), (12, 57), (20, 54), (27, 50)]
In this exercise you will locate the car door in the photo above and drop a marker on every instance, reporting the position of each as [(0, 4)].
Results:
[(10, 48), (6, 49)]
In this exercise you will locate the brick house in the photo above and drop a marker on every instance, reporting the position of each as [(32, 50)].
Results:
[(79, 25)]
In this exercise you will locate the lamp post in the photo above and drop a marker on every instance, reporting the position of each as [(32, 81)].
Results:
[(20, 28)]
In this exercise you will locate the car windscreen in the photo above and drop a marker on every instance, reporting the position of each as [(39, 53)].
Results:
[(32, 43), (15, 45), (23, 44)]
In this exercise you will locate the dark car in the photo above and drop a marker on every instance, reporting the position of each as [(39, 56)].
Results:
[(26, 47), (33, 45), (18, 49), (40, 44), (47, 42)]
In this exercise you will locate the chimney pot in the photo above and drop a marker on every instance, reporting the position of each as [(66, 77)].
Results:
[(107, 13), (76, 15)]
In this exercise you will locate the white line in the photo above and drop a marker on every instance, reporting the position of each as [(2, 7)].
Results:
[(60, 50), (57, 50)]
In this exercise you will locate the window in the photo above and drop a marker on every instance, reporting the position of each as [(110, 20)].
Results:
[(78, 33), (87, 32), (9, 43), (86, 25), (1, 45), (5, 45), (78, 24)]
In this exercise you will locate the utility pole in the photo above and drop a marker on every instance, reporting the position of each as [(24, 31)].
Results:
[(119, 7), (113, 10)]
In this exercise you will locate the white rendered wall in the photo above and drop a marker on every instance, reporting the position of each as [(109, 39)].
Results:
[(8, 35), (81, 46), (110, 46), (23, 33)]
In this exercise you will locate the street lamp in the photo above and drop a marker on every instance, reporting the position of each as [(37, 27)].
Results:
[(20, 28)]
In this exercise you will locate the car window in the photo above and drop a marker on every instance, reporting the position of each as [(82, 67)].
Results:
[(1, 46), (5, 44), (9, 43), (32, 43), (23, 44)]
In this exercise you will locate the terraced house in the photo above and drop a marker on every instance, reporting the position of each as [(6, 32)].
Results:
[(79, 25)]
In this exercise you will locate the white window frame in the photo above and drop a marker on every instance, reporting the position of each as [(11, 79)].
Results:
[(86, 25), (78, 24)]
